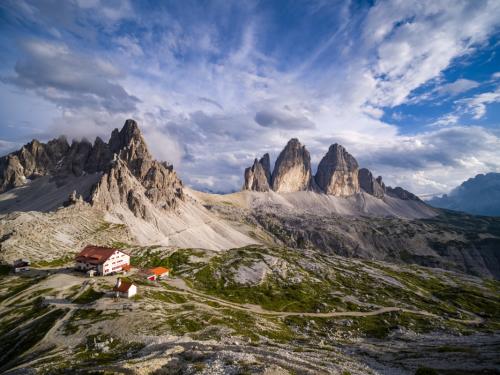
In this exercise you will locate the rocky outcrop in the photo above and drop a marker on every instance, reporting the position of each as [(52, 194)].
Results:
[(33, 160), (258, 176), (370, 184), (134, 178), (13, 173), (292, 170), (400, 193), (338, 172), (125, 162)]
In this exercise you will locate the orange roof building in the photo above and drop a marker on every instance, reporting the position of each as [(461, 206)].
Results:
[(104, 260), (157, 273)]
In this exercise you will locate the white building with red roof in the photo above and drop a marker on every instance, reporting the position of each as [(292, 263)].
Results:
[(124, 289), (103, 260)]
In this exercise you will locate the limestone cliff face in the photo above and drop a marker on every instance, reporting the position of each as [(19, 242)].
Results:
[(33, 160), (258, 176), (292, 170), (371, 185), (134, 178), (338, 172), (124, 162)]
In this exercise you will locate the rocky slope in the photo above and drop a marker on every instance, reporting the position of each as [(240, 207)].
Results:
[(338, 174), (250, 310), (479, 195), (363, 226), (119, 179)]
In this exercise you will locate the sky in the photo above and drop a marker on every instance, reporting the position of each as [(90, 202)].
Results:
[(410, 88)]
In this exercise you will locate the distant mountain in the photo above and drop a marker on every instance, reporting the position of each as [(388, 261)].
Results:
[(479, 195)]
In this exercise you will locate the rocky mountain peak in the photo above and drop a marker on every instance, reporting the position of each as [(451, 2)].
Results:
[(292, 170), (258, 176), (125, 163), (338, 172), (370, 184), (130, 139), (265, 161)]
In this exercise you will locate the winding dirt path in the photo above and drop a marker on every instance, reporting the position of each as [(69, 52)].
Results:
[(185, 289)]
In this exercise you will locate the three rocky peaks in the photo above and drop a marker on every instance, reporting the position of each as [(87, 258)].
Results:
[(338, 174)]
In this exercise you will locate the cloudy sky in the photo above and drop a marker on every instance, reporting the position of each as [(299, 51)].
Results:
[(410, 88)]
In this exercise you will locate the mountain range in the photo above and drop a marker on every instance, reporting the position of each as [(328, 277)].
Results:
[(479, 195), (342, 209)]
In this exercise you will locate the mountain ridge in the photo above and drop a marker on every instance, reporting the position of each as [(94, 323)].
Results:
[(338, 174), (478, 195)]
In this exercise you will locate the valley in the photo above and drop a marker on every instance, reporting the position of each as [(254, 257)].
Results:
[(251, 309)]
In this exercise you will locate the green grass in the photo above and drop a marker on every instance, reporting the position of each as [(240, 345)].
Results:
[(169, 297), (174, 261), (5, 269), (16, 342), (20, 285), (59, 262)]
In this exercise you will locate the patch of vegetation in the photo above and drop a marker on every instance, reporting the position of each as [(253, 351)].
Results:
[(88, 296), (173, 261), (19, 286), (120, 245), (426, 371), (16, 342), (5, 269), (59, 262), (170, 297)]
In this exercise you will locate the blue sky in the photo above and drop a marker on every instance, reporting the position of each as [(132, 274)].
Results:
[(411, 88)]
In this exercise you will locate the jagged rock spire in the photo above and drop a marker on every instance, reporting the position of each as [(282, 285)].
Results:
[(292, 170), (371, 185), (258, 176)]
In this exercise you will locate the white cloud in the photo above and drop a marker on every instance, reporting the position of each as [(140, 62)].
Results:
[(198, 90), (446, 120), (476, 105), (457, 87)]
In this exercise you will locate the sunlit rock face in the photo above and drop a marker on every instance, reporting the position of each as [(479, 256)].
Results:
[(292, 170)]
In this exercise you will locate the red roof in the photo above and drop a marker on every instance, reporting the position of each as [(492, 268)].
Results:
[(123, 288), (95, 254), (158, 271)]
